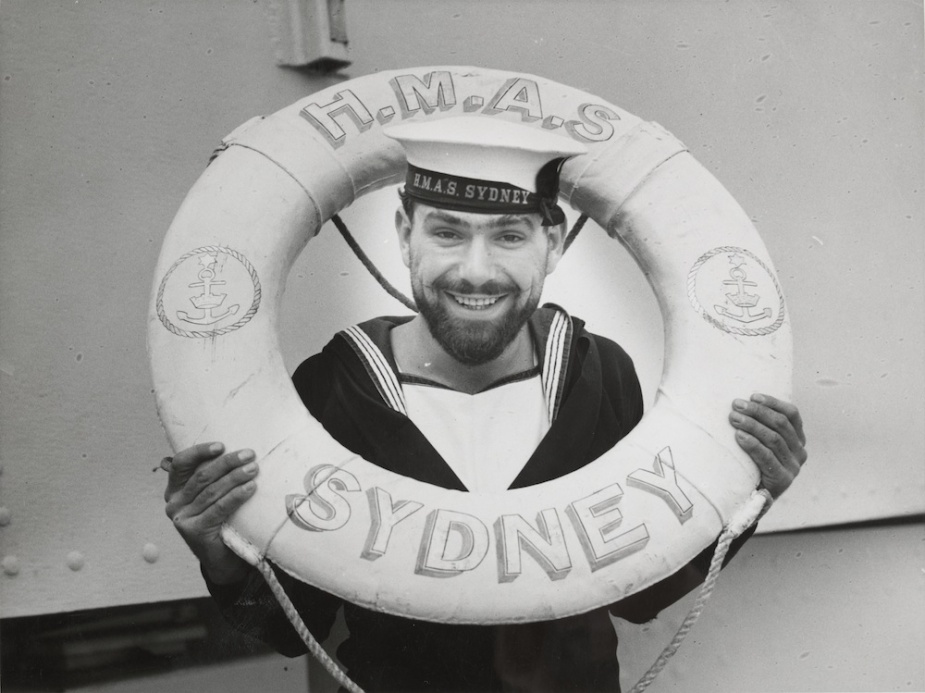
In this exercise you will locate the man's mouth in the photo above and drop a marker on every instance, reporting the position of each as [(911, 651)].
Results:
[(472, 302)]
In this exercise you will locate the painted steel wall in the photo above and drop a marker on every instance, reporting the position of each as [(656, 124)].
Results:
[(811, 113)]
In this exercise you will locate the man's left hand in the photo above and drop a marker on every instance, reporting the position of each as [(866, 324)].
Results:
[(771, 432)]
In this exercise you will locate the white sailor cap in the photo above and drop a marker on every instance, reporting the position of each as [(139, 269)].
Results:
[(485, 165)]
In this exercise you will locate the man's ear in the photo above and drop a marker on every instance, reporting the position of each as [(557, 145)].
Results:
[(555, 239), (403, 227)]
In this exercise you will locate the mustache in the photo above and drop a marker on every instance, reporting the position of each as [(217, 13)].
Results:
[(464, 286)]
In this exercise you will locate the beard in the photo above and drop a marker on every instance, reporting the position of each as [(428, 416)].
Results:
[(472, 342)]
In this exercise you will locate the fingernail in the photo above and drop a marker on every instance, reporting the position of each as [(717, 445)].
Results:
[(245, 455), (738, 418), (759, 398), (250, 468), (739, 404), (215, 448)]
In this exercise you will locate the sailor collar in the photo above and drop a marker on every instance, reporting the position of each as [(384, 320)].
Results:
[(551, 330)]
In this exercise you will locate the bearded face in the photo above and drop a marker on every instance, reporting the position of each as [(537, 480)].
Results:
[(473, 339), (476, 278)]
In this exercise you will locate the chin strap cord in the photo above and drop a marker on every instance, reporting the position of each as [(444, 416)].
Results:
[(389, 288), (757, 505), (370, 267), (296, 620), (576, 229)]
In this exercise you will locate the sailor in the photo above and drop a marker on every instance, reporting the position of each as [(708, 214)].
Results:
[(483, 389)]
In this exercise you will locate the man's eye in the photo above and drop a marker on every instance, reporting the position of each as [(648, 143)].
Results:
[(511, 238)]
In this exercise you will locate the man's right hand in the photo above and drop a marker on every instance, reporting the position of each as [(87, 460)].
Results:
[(204, 489)]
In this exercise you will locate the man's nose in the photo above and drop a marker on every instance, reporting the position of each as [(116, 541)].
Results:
[(476, 264)]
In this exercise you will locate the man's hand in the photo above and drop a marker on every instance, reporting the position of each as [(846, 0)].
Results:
[(204, 488), (771, 432)]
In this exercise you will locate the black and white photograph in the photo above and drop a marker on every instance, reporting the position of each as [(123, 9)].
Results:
[(528, 346)]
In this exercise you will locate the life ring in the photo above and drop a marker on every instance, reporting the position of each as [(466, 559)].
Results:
[(634, 516)]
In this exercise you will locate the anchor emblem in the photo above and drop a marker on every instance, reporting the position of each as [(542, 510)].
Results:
[(207, 302), (740, 298)]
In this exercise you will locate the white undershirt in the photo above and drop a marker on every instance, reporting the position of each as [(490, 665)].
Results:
[(486, 438)]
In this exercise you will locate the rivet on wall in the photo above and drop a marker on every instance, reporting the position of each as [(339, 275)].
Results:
[(150, 552), (11, 565), (75, 560)]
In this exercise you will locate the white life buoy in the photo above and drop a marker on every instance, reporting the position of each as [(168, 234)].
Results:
[(334, 520)]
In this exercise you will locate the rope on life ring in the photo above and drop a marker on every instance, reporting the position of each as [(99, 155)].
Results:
[(636, 515)]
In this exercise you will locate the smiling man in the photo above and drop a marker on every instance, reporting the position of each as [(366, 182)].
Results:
[(481, 373), (472, 314), (478, 250)]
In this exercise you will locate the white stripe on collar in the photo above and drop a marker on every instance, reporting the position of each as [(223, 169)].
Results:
[(554, 365), (378, 368)]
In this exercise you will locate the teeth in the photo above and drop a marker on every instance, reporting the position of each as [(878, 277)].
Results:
[(475, 303)]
